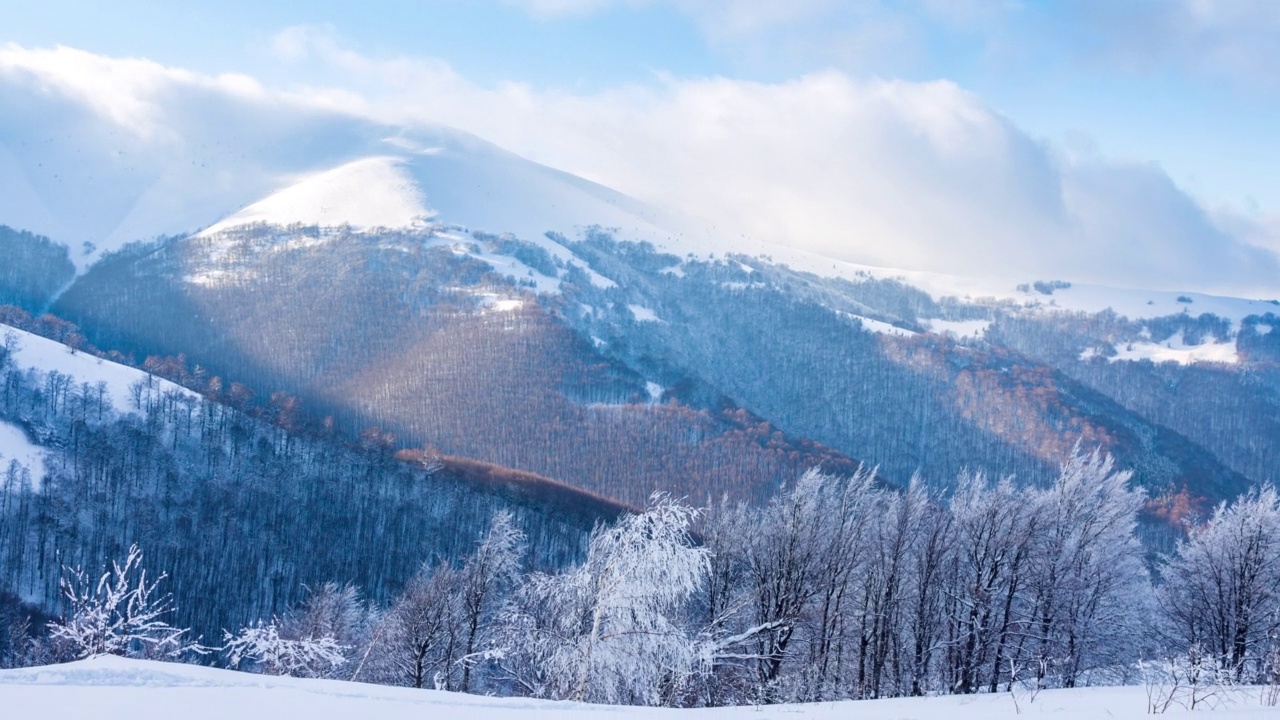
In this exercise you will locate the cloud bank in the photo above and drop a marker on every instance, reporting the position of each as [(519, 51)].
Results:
[(918, 176)]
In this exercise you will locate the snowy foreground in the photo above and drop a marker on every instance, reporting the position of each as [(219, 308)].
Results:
[(111, 687)]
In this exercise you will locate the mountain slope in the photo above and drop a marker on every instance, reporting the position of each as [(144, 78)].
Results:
[(618, 368), (433, 286), (421, 336)]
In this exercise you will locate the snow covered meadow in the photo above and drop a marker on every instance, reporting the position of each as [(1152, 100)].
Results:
[(112, 687)]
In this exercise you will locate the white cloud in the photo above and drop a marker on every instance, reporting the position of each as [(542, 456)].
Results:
[(127, 91), (109, 150), (918, 175), (900, 174)]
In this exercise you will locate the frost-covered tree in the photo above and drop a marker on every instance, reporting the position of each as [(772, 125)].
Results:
[(262, 647), (119, 614), (485, 579), (1089, 584), (332, 610), (419, 637), (800, 556), (1222, 588), (788, 581), (994, 525), (607, 630), (318, 639)]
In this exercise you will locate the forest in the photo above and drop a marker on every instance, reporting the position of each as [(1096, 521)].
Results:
[(184, 529), (837, 588)]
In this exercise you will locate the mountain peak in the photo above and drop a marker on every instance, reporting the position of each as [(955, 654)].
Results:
[(375, 191)]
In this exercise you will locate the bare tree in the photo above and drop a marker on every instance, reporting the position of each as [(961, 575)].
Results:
[(420, 635)]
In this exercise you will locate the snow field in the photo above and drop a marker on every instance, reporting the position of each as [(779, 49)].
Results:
[(14, 445), (108, 687)]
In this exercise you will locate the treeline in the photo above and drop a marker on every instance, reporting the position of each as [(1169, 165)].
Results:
[(837, 588)]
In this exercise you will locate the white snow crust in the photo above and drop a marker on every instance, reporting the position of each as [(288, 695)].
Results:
[(879, 326), (371, 192), (455, 180), (14, 446), (107, 688), (643, 314), (1175, 349)]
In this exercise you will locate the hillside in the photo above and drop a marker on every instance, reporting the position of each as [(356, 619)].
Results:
[(232, 505), (571, 357), (442, 337)]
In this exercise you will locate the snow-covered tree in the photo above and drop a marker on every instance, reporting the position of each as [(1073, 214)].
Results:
[(119, 614), (606, 631), (800, 555), (1088, 580), (485, 578), (419, 637), (331, 610), (995, 525), (1222, 588), (263, 647), (318, 639)]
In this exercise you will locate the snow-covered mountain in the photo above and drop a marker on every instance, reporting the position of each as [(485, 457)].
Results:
[(424, 282), (94, 173), (448, 178), (97, 152)]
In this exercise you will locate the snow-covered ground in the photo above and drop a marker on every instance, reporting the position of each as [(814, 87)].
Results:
[(14, 446), (110, 687), (1177, 350), (372, 192), (46, 355), (960, 328)]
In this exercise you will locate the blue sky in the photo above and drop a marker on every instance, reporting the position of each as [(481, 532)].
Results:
[(1179, 99)]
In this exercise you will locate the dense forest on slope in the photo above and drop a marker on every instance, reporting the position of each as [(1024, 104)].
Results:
[(1230, 411), (242, 513), (796, 349), (571, 358), (32, 269), (412, 334)]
